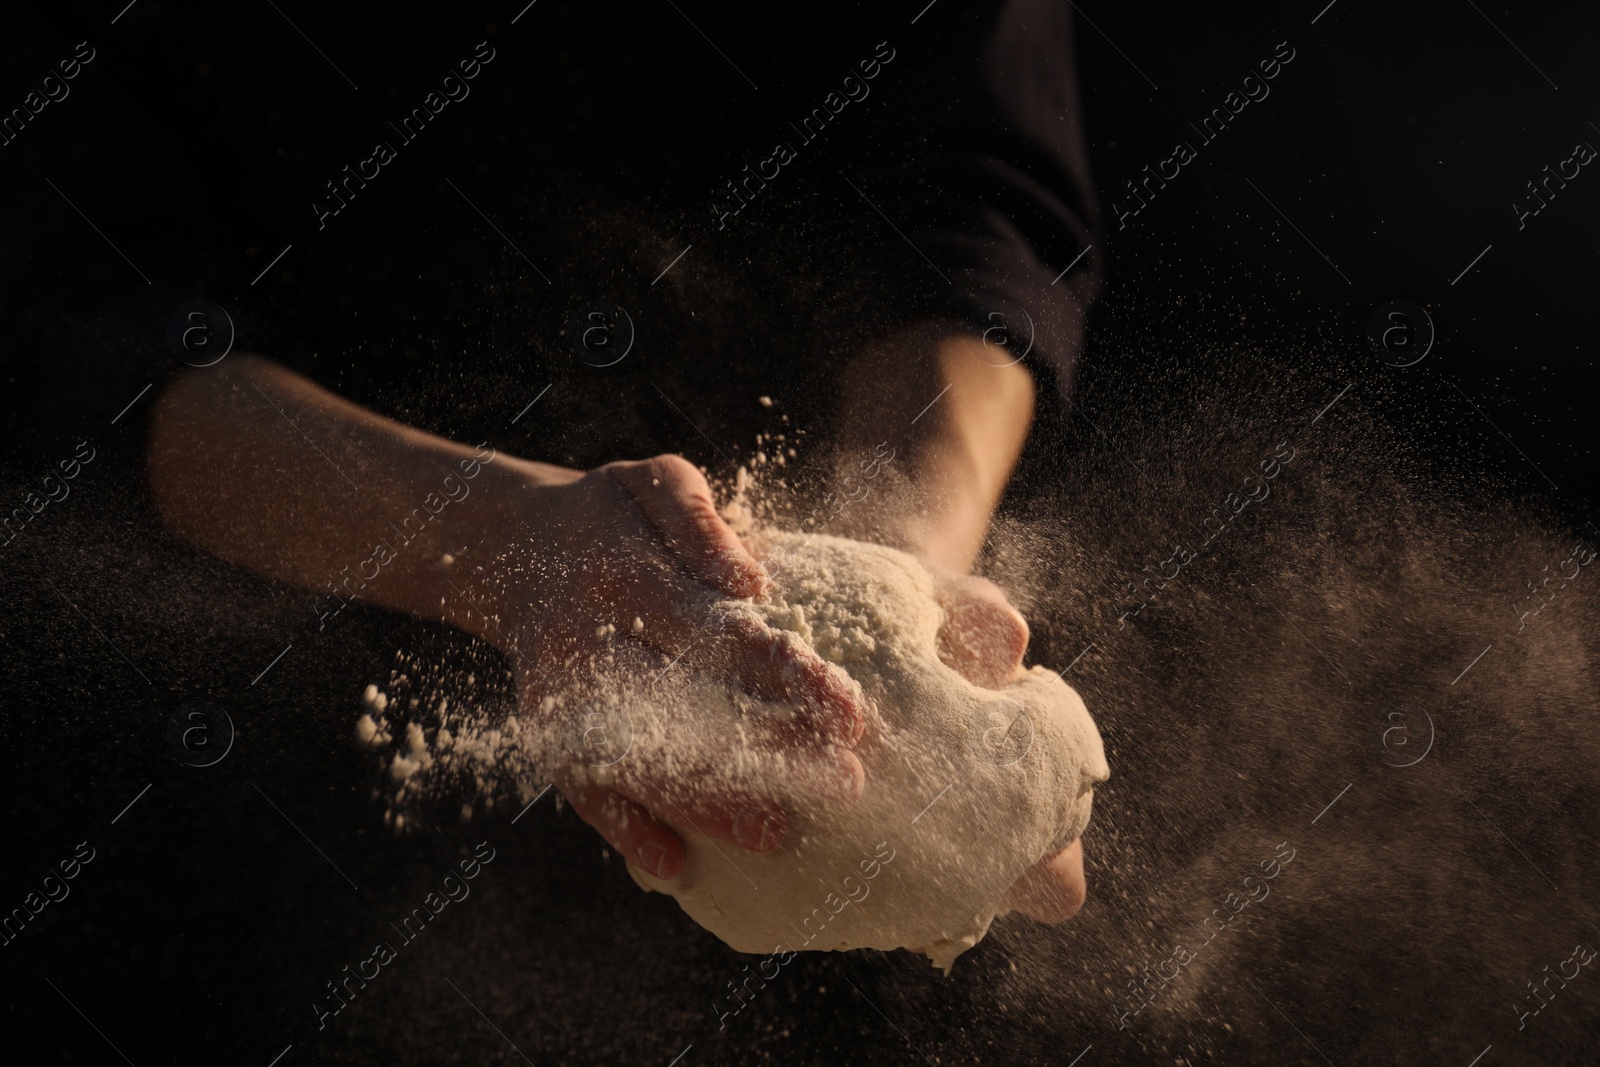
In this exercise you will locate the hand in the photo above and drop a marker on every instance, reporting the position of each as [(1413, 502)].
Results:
[(639, 547), (984, 638), (1052, 890), (566, 554)]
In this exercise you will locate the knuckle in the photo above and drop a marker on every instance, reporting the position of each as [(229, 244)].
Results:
[(675, 471), (619, 470), (701, 511), (670, 475)]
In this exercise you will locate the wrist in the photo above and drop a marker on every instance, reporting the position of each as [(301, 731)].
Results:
[(953, 455), (493, 579)]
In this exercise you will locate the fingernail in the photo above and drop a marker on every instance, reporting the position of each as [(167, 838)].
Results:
[(653, 858), (757, 831), (843, 699), (736, 573), (854, 780), (858, 723)]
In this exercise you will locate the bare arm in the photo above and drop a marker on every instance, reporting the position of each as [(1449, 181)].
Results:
[(266, 469), (957, 410), (958, 453)]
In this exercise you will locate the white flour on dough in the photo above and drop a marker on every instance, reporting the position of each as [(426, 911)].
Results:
[(966, 787)]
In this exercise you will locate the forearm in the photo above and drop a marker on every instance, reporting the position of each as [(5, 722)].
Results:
[(954, 453), (264, 468)]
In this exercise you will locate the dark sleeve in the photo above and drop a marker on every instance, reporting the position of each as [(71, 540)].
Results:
[(1008, 213)]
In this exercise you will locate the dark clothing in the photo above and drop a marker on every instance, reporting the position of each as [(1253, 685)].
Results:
[(810, 176)]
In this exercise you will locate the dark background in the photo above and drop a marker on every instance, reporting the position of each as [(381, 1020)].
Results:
[(1396, 141)]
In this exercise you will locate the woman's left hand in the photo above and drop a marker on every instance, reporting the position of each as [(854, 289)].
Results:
[(984, 638)]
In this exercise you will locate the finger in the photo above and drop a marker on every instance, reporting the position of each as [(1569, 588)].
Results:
[(628, 827), (677, 502), (751, 822), (674, 616), (1053, 889), (778, 665), (737, 815), (850, 779), (983, 637), (679, 618)]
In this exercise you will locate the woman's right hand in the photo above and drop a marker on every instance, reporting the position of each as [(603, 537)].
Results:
[(636, 550), (565, 554)]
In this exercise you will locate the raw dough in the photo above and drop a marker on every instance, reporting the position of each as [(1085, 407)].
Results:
[(966, 787)]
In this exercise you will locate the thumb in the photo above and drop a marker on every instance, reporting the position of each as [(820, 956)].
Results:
[(983, 637), (1052, 890), (676, 500)]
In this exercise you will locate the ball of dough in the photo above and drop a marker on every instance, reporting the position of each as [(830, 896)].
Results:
[(966, 787)]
